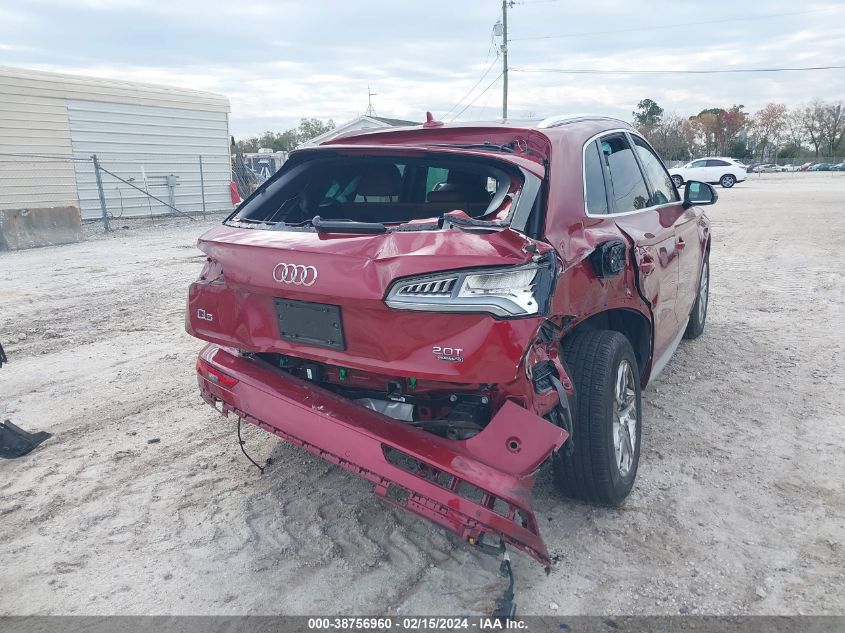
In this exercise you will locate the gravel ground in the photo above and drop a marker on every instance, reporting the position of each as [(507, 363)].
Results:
[(141, 502)]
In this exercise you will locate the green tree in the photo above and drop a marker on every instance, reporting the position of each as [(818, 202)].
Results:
[(790, 151), (287, 140), (647, 115), (247, 144), (739, 149), (312, 128), (721, 128)]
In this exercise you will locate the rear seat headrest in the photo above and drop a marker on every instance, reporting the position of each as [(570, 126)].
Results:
[(380, 179)]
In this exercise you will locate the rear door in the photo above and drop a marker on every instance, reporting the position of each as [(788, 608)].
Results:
[(651, 227), (688, 246), (697, 171), (718, 168)]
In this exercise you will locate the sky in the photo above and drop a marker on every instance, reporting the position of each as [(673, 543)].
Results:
[(278, 61)]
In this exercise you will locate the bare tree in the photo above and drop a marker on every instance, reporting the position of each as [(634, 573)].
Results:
[(811, 118), (794, 128), (832, 125), (691, 131), (667, 137), (708, 123), (769, 123)]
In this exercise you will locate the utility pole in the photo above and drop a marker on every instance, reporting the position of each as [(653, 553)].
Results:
[(505, 59)]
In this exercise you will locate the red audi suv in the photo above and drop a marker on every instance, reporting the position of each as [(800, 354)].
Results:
[(440, 309)]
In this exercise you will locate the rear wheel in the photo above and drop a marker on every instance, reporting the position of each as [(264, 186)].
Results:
[(678, 181), (695, 325), (727, 181), (606, 425)]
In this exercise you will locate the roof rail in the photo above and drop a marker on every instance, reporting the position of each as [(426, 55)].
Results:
[(560, 119)]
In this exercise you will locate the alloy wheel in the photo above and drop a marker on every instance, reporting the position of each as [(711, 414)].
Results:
[(625, 418)]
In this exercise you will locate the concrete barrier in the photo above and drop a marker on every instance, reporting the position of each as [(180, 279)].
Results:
[(30, 228)]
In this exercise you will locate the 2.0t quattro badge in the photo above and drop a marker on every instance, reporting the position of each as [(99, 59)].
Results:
[(295, 274)]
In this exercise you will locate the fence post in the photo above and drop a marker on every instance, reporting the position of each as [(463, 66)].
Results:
[(202, 187), (100, 191)]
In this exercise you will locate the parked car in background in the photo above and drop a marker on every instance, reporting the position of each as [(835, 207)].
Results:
[(415, 307), (726, 171), (820, 167), (838, 167), (790, 167), (768, 168), (805, 166)]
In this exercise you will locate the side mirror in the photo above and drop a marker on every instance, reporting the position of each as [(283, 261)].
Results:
[(699, 193)]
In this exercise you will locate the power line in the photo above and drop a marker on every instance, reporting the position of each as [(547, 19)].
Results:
[(484, 107), (666, 26), (461, 100), (480, 94), (489, 68), (586, 71)]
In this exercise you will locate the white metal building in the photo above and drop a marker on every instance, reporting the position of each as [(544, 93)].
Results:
[(51, 124), (363, 122)]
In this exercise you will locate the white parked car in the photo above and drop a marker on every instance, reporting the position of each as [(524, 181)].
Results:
[(725, 171)]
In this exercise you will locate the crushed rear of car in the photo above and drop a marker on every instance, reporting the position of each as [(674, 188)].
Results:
[(385, 306)]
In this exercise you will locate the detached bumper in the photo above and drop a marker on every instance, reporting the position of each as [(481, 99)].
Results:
[(480, 486)]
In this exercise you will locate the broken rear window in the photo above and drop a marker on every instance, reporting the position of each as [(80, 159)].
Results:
[(380, 189)]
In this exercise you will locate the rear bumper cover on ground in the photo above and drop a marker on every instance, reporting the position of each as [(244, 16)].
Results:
[(475, 487)]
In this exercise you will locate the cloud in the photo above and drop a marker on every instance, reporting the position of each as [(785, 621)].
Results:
[(14, 48), (280, 61)]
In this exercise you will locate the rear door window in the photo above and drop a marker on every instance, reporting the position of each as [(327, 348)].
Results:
[(662, 190), (627, 185), (594, 191), (436, 176)]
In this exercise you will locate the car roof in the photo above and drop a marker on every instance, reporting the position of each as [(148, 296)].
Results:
[(550, 126)]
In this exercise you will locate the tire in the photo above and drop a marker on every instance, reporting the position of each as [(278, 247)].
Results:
[(678, 181), (727, 181), (598, 470), (695, 325)]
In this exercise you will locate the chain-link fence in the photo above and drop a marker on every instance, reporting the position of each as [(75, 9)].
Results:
[(250, 170), (107, 187), (826, 160), (783, 162)]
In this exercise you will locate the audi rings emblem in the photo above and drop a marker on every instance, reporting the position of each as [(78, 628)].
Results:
[(295, 274)]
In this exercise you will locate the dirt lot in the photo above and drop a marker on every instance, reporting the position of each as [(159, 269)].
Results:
[(739, 506)]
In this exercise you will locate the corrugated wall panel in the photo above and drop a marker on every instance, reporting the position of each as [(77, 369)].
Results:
[(22, 81), (136, 140), (32, 124)]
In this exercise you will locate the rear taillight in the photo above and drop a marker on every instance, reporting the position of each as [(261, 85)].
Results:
[(504, 292), (215, 375)]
